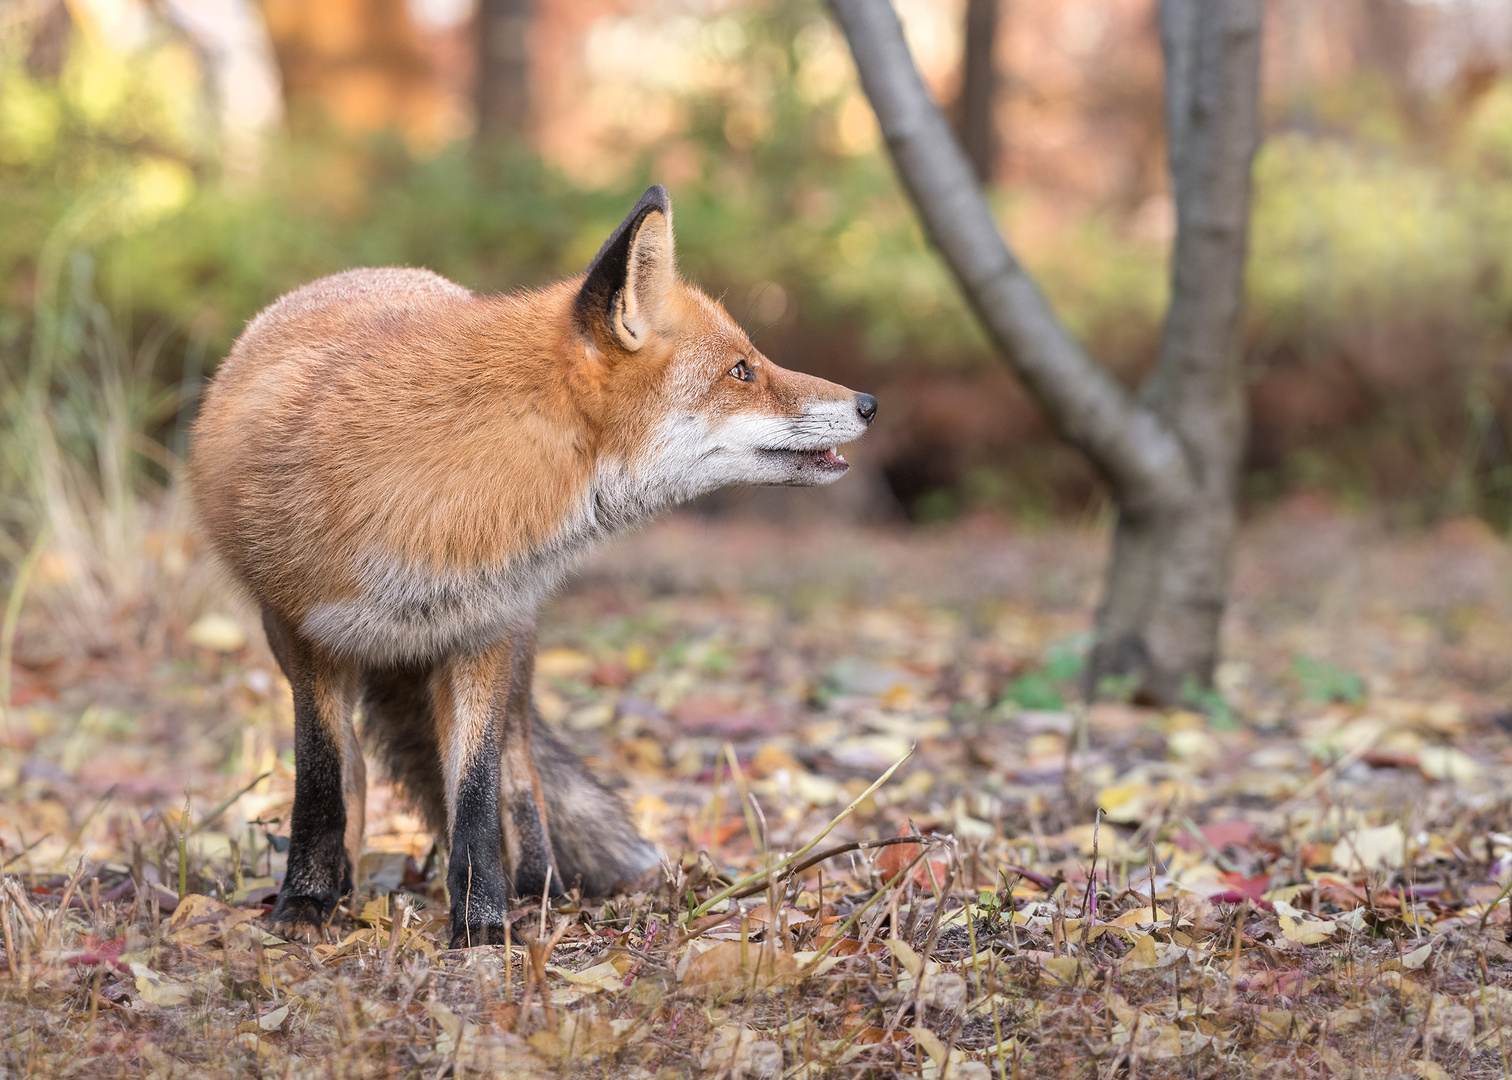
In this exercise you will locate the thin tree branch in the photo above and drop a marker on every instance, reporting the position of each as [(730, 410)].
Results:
[(1178, 30), (1134, 449)]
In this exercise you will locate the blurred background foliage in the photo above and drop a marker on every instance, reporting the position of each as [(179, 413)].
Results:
[(140, 227)]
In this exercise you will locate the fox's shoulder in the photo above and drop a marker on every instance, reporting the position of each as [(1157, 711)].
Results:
[(390, 288), (382, 284)]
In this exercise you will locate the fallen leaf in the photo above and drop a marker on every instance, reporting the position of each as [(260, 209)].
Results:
[(730, 967), (1417, 957), (159, 989), (931, 1044), (1371, 848), (904, 953), (1302, 928), (199, 920), (216, 632), (1143, 954), (562, 664), (1447, 763), (740, 1053), (606, 976), (274, 1020)]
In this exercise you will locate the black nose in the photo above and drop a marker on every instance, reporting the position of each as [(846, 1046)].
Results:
[(866, 405)]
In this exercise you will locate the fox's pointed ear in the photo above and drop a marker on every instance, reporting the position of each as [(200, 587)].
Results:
[(632, 273)]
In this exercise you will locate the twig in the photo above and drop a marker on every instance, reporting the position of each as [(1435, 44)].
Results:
[(845, 927), (1307, 790), (762, 875), (830, 853), (757, 834), (1219, 859), (225, 804), (18, 856), (1492, 905)]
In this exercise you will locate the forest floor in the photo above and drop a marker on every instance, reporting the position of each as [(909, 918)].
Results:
[(1326, 843)]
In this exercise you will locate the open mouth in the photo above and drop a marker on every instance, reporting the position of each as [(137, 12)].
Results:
[(824, 461)]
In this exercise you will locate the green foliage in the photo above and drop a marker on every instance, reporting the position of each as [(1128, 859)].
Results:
[(1321, 681), (1209, 700), (1360, 227), (1047, 686)]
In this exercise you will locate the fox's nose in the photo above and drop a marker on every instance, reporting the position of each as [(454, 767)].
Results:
[(866, 405)]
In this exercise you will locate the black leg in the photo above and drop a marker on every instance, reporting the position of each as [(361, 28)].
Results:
[(475, 875), (319, 868), (469, 692)]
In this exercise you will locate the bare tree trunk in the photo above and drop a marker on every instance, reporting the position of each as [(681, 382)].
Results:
[(503, 68), (1171, 456), (1169, 578), (979, 84)]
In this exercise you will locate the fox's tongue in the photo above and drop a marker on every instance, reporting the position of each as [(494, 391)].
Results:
[(831, 457)]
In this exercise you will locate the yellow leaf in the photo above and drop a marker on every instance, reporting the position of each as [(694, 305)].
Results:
[(1143, 954), (1307, 931), (373, 913), (905, 955), (637, 659), (562, 663), (599, 977), (218, 633), (930, 1042), (1277, 1023), (1166, 1044), (1063, 968), (1371, 849), (1125, 803), (447, 1020), (1447, 763), (1193, 745), (157, 988)]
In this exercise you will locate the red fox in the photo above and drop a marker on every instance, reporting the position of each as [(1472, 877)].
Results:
[(400, 471)]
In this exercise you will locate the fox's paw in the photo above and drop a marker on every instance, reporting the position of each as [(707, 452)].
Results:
[(468, 936), (302, 918)]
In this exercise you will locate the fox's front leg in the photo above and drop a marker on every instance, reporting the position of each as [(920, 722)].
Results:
[(522, 802), (325, 835), (470, 694)]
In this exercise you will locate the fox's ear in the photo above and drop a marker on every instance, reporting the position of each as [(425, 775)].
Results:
[(632, 273)]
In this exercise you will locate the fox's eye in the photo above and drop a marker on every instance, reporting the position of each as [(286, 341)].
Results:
[(741, 371)]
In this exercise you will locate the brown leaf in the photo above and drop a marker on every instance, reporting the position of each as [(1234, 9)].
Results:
[(731, 967), (199, 920)]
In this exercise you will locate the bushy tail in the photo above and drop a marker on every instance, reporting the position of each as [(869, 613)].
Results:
[(595, 845)]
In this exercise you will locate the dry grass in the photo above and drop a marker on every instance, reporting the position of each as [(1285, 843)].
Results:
[(1325, 875)]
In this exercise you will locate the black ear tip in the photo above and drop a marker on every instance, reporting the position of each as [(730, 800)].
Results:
[(656, 197)]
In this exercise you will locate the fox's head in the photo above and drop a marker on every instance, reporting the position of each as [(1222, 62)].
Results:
[(709, 410)]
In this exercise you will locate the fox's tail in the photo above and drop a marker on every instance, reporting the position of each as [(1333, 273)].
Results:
[(595, 846)]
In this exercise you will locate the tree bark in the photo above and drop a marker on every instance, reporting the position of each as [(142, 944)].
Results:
[(1171, 455), (979, 84), (503, 85)]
